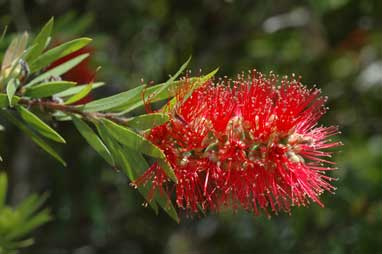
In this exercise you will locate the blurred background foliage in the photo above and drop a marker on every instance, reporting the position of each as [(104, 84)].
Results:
[(336, 44)]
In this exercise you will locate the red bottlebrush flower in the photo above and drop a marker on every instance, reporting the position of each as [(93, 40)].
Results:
[(251, 143), (82, 73)]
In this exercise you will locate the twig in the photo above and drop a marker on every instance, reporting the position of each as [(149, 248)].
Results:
[(55, 106)]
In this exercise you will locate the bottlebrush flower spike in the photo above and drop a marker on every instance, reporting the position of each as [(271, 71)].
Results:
[(253, 143)]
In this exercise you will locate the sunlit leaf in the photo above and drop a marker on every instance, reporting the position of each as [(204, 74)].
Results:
[(58, 52), (197, 83), (136, 163), (48, 89), (14, 51), (41, 218), (78, 88), (12, 86), (41, 127), (94, 141), (149, 121), (120, 154), (40, 41), (172, 79), (114, 101), (136, 142), (27, 210), (38, 140), (4, 101), (58, 70), (169, 92), (80, 95)]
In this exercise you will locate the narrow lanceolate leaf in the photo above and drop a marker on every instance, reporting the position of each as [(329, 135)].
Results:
[(3, 33), (3, 189), (197, 83), (40, 41), (48, 89), (136, 142), (14, 51), (58, 70), (4, 101), (78, 88), (30, 224), (80, 95), (149, 121), (172, 79), (120, 155), (151, 94), (94, 141), (12, 86), (37, 124), (38, 140), (136, 163), (28, 211), (114, 101), (31, 204), (58, 52)]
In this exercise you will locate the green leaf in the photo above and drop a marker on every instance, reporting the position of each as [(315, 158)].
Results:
[(41, 127), (39, 141), (58, 52), (26, 211), (195, 85), (134, 163), (114, 101), (58, 70), (61, 116), (94, 141), (131, 139), (14, 51), (132, 170), (151, 94), (136, 142), (181, 70), (12, 86), (29, 224), (48, 89), (172, 79), (78, 88), (82, 94), (30, 205), (149, 121), (4, 102), (40, 41), (3, 33), (3, 189), (18, 245)]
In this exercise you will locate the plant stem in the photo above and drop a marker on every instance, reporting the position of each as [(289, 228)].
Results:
[(55, 106)]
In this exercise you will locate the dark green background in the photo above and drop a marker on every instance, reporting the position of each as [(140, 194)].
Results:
[(336, 44)]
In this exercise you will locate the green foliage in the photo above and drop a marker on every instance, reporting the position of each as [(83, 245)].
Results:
[(94, 141), (17, 223), (58, 70), (35, 137), (57, 52), (74, 91), (80, 95), (119, 141), (48, 88), (38, 125), (118, 100), (333, 43), (148, 121), (41, 41)]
